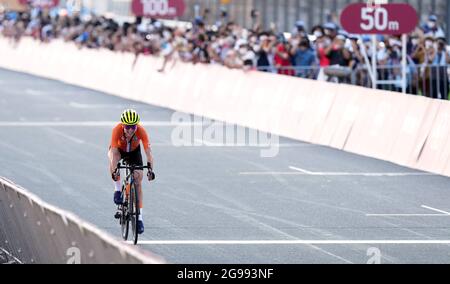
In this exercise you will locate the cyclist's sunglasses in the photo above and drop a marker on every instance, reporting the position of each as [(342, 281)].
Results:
[(128, 127)]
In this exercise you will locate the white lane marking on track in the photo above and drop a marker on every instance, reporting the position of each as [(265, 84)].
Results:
[(443, 213), (87, 123), (94, 106), (359, 174), (271, 173), (288, 242), (203, 142), (434, 209), (302, 172), (407, 215)]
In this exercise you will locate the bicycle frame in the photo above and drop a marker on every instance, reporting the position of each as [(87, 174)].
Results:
[(129, 179), (130, 209)]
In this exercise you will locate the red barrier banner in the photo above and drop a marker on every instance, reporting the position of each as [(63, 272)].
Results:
[(341, 118), (414, 129), (376, 125), (434, 155)]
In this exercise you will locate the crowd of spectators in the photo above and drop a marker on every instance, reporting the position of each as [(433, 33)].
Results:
[(326, 52)]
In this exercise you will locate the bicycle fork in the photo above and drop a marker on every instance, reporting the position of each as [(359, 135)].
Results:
[(127, 186)]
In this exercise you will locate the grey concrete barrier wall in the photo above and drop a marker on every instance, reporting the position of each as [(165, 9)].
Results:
[(32, 231)]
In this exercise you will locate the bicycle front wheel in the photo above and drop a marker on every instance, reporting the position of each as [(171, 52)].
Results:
[(124, 218), (134, 212)]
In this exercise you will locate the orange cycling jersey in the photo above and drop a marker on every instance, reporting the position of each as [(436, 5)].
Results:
[(118, 139)]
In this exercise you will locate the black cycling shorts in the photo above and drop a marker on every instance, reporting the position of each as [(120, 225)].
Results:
[(133, 158)]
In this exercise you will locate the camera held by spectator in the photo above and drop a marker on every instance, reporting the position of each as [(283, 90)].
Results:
[(223, 13), (254, 14), (299, 29), (330, 30)]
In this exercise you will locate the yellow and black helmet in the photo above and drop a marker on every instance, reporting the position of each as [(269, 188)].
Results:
[(130, 117)]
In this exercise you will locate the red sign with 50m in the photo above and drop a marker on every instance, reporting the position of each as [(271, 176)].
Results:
[(396, 18)]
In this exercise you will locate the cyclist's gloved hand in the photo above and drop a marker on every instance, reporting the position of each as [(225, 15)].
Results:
[(150, 174), (116, 175)]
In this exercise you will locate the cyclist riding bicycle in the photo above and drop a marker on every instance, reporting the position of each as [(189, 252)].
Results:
[(125, 145)]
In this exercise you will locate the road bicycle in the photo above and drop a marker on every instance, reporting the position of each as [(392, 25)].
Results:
[(128, 212)]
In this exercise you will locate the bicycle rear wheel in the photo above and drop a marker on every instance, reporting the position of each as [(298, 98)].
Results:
[(134, 212)]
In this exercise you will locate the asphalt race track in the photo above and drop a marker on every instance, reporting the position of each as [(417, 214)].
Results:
[(221, 203)]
